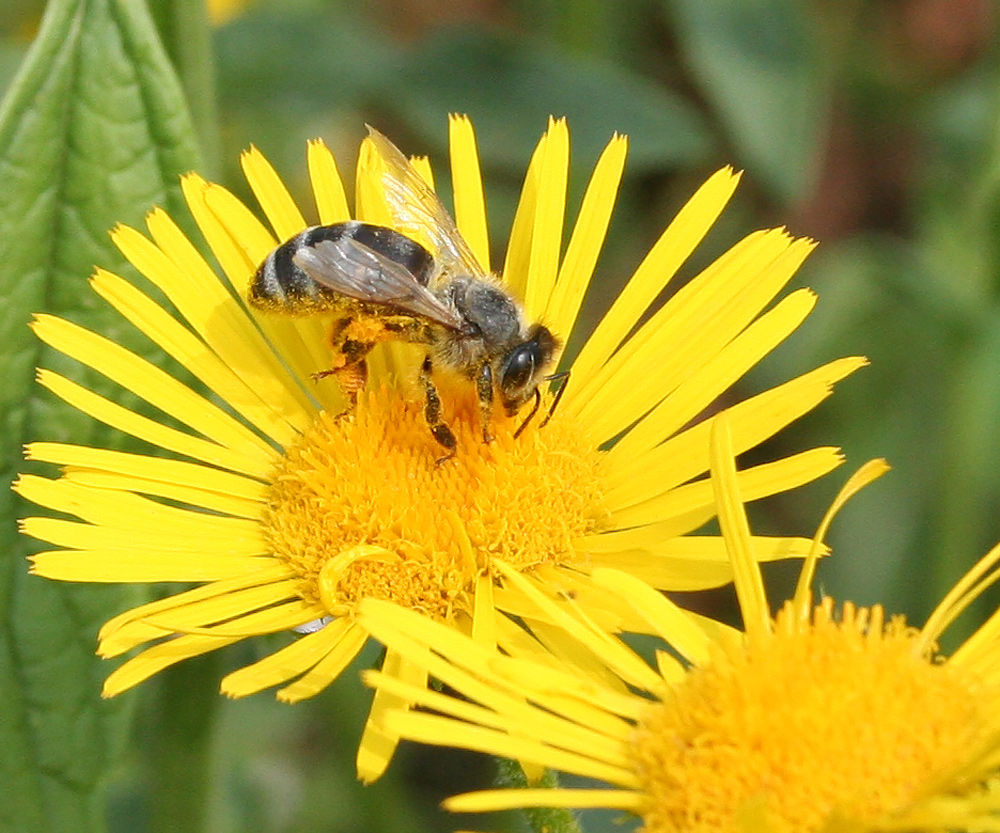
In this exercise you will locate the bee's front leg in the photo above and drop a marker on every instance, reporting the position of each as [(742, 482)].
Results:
[(432, 412), (484, 387)]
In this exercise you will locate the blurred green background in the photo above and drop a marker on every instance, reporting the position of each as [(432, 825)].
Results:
[(869, 126)]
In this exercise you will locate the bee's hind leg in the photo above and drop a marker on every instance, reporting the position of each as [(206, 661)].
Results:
[(351, 368), (432, 412)]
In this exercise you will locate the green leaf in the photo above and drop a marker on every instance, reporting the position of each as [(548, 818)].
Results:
[(295, 72), (94, 130), (758, 62), (184, 29), (968, 456), (510, 87)]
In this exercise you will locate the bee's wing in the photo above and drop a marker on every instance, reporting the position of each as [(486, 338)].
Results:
[(357, 271), (416, 210)]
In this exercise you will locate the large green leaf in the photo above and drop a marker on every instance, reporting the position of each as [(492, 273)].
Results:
[(759, 63), (94, 130), (510, 86)]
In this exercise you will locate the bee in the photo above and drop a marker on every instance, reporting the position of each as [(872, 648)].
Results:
[(380, 284)]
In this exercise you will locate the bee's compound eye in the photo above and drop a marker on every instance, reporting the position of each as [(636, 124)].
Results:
[(519, 367)]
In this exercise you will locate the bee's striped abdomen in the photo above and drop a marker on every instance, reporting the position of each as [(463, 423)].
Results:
[(281, 286)]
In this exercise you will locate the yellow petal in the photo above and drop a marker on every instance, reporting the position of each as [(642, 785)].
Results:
[(156, 386), (488, 801), (291, 661), (685, 455), (269, 572), (567, 730), (327, 669), (369, 194), (665, 618), (704, 316), (185, 495), (379, 740), (587, 239), (484, 612), (141, 466), (165, 654), (328, 187), (198, 294), (869, 472), (718, 374), (275, 413), (695, 501), (118, 566), (110, 413), (675, 245), (467, 183), (609, 650), (437, 731), (124, 513), (203, 300), (736, 530), (240, 243), (682, 563), (546, 236), (518, 257), (187, 614), (271, 193)]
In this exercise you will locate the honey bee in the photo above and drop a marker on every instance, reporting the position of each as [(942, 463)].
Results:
[(380, 284)]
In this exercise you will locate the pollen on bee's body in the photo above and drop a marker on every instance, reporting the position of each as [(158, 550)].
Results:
[(361, 505)]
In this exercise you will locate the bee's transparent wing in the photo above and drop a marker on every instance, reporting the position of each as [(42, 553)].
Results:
[(416, 210), (353, 269)]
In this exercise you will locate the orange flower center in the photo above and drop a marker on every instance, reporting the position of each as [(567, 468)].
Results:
[(361, 507), (817, 721)]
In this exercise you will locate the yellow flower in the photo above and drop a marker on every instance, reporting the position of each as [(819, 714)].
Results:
[(287, 511), (814, 720), (221, 11)]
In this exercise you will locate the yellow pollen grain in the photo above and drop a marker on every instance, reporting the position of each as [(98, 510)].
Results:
[(813, 720), (364, 496)]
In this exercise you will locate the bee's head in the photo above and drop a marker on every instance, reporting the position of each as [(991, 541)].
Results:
[(522, 367)]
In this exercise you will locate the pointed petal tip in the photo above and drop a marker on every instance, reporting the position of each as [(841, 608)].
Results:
[(111, 689)]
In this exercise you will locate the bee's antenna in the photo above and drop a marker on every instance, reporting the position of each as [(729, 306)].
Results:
[(555, 377), (531, 416)]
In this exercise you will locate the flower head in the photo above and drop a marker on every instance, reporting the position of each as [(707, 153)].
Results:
[(818, 719), (288, 502)]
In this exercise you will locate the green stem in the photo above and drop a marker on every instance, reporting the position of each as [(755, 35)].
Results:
[(179, 750), (540, 819), (187, 37)]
